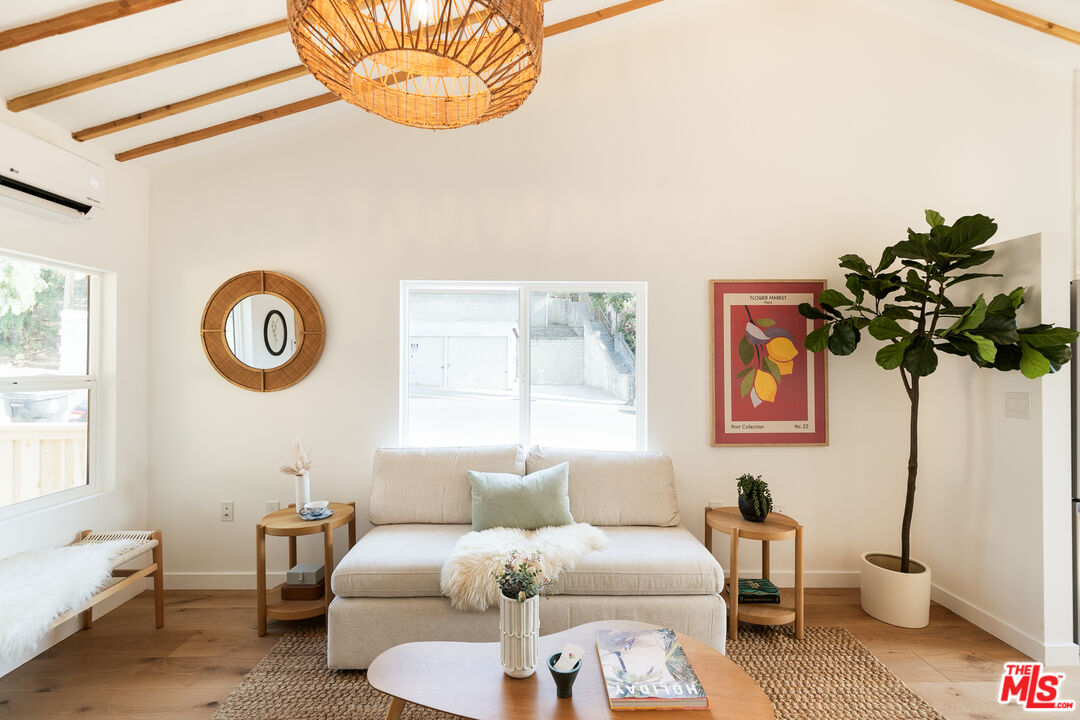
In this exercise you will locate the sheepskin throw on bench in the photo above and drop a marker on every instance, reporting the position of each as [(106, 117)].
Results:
[(39, 585)]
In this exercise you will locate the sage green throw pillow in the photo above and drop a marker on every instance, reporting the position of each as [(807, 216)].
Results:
[(504, 500)]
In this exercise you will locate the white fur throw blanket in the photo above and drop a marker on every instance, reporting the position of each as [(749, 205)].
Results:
[(38, 586), (468, 574)]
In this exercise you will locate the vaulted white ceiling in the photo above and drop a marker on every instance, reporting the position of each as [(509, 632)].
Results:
[(74, 55)]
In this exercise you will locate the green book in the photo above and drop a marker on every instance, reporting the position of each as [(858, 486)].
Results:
[(758, 590)]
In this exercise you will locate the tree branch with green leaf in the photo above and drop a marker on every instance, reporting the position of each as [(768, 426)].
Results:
[(904, 301)]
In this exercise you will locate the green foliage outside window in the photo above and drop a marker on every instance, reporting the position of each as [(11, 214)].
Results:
[(31, 298), (625, 307)]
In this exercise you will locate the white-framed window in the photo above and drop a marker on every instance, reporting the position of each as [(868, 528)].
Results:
[(558, 364), (49, 356)]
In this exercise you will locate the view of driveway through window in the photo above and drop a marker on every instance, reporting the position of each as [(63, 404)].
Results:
[(464, 373), (44, 387)]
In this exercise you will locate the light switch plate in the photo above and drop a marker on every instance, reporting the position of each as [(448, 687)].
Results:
[(1018, 405)]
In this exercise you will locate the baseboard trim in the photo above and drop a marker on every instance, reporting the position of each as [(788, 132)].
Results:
[(74, 624), (1062, 655), (1052, 654)]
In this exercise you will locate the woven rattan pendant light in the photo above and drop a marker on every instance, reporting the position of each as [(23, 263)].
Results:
[(424, 63)]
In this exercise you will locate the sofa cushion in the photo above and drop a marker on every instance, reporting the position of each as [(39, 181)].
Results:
[(431, 485), (397, 561), (615, 488), (405, 561), (511, 501), (645, 561)]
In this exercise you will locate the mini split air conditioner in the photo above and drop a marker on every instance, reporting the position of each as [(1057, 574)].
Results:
[(41, 178)]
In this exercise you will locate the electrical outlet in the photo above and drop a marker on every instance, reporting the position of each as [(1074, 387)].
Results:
[(272, 506), (1018, 405), (717, 504), (779, 508), (227, 511)]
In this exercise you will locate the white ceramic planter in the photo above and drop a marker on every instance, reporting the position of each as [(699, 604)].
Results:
[(901, 599), (303, 491), (519, 633)]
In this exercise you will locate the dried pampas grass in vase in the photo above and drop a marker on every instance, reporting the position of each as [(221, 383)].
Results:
[(299, 470)]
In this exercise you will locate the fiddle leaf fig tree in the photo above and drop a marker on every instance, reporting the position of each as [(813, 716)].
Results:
[(904, 301)]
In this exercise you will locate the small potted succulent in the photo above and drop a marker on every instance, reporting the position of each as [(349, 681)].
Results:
[(522, 582), (755, 500)]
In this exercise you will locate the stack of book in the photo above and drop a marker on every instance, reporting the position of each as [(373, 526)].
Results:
[(648, 670), (758, 590), (303, 582)]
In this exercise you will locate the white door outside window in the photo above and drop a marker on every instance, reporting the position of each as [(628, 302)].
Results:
[(478, 363), (427, 361)]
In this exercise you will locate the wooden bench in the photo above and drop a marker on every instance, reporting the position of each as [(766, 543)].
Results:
[(141, 542)]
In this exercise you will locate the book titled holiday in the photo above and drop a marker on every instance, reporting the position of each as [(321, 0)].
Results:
[(648, 670)]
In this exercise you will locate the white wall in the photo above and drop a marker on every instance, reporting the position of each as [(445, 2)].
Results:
[(998, 536), (689, 141), (116, 243)]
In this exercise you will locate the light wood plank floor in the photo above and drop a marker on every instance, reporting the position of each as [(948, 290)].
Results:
[(125, 668)]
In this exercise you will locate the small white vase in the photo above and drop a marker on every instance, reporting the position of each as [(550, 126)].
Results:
[(303, 491), (519, 636)]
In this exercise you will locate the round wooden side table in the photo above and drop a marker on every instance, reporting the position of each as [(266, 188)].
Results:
[(286, 523), (776, 526)]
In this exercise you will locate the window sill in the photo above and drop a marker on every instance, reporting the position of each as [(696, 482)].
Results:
[(26, 508)]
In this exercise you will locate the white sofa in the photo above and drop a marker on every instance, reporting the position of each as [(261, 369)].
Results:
[(654, 570)]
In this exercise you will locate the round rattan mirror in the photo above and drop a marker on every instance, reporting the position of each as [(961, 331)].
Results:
[(262, 331)]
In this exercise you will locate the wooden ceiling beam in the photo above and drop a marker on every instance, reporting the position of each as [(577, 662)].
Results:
[(327, 98), (148, 116), (228, 127), (149, 65), (159, 113), (77, 20), (596, 16), (1026, 19)]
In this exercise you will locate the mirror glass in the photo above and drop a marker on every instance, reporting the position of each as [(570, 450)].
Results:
[(262, 331)]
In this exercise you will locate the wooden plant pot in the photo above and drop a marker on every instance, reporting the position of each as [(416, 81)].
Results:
[(901, 599)]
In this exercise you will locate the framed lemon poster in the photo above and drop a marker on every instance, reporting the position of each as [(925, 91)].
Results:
[(767, 388)]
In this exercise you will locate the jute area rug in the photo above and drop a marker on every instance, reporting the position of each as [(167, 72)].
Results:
[(827, 676)]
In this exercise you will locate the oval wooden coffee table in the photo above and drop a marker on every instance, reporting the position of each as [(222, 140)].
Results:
[(466, 679)]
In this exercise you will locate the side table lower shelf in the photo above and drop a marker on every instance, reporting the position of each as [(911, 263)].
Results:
[(292, 609), (767, 613)]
